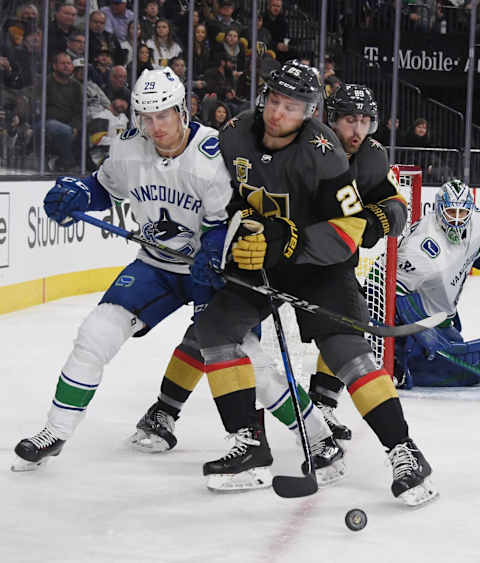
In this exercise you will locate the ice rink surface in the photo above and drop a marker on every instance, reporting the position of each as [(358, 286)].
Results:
[(101, 502)]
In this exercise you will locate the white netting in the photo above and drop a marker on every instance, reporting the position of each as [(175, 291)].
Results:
[(304, 356)]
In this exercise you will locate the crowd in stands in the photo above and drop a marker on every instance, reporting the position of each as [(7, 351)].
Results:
[(221, 65)]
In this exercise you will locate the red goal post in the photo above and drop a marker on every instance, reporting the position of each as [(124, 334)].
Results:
[(377, 269)]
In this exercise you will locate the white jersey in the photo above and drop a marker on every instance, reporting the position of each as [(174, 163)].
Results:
[(433, 267), (171, 198)]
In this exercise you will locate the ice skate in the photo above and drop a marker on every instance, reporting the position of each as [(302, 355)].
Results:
[(328, 460), (245, 466), (35, 451), (339, 430), (411, 472), (155, 431)]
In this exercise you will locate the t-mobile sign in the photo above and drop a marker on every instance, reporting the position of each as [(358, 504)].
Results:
[(4, 228)]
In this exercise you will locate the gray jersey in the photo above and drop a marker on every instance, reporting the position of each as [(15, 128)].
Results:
[(433, 267)]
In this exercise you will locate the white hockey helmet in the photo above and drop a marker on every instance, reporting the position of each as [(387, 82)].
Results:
[(157, 90), (454, 207)]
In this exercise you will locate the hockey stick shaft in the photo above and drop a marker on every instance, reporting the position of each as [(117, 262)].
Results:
[(394, 331), (282, 485), (458, 362)]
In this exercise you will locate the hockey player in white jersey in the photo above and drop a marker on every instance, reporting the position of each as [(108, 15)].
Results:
[(173, 175), (434, 260)]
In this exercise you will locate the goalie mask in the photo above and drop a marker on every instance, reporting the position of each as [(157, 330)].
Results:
[(454, 206), (352, 99), (158, 90), (297, 81)]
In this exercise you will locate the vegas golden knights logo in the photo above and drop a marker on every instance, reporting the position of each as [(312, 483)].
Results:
[(266, 203), (242, 166)]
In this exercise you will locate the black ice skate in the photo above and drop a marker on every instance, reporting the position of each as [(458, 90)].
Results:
[(155, 431), (245, 466), (339, 430), (35, 451), (411, 473), (327, 456)]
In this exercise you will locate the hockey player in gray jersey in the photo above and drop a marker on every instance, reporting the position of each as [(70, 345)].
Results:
[(304, 222), (434, 260), (353, 115)]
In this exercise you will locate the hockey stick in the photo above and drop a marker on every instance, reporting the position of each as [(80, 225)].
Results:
[(378, 330), (287, 486), (457, 361)]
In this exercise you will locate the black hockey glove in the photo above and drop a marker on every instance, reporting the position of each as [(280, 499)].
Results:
[(265, 242), (377, 224)]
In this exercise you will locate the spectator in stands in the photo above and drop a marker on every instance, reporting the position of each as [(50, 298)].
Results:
[(76, 45), (144, 60), (219, 78), (118, 17), (106, 125), (274, 20), (221, 19), (235, 50), (201, 52), (18, 135), (100, 70), (29, 16), (234, 103), (195, 109), (23, 70), (81, 6), (219, 115), (117, 80), (332, 83), (127, 45), (177, 64), (418, 134), (101, 40), (244, 82), (60, 29), (329, 67), (64, 98), (264, 37), (97, 100), (149, 19), (383, 133), (163, 45)]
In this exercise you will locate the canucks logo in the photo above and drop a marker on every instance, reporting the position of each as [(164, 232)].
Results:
[(430, 247), (209, 146), (166, 229)]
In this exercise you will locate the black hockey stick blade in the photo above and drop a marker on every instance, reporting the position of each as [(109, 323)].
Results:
[(287, 486)]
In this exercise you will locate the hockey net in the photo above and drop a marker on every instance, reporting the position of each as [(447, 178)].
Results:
[(376, 272)]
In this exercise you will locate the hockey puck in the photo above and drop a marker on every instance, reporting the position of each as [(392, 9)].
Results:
[(356, 519)]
